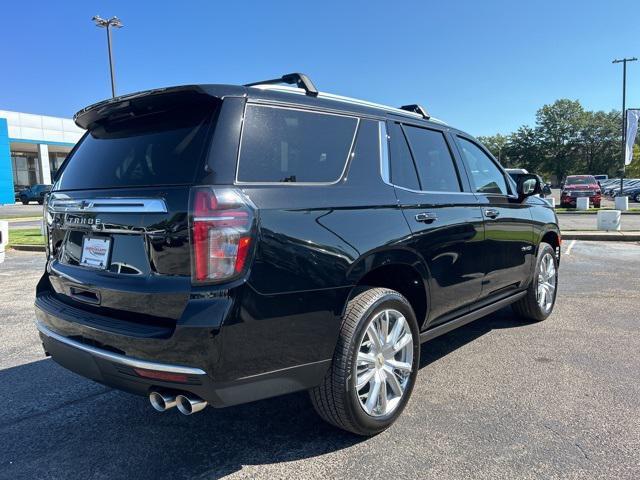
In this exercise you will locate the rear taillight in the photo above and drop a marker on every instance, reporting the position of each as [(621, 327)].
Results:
[(221, 233)]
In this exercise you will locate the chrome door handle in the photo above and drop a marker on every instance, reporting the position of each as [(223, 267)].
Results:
[(491, 212), (426, 217)]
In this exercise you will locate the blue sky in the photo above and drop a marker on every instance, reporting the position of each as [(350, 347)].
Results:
[(483, 66)]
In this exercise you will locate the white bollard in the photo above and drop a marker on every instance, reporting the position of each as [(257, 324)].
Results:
[(551, 201), (609, 219), (582, 203), (622, 203), (4, 238)]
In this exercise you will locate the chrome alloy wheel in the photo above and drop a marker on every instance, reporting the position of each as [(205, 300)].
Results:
[(546, 282), (384, 363)]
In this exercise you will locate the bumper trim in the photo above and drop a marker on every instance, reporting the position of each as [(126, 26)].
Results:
[(117, 358)]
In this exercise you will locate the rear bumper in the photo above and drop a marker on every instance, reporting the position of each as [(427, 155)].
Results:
[(193, 351)]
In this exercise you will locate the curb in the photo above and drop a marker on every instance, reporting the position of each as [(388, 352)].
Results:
[(602, 236), (29, 248)]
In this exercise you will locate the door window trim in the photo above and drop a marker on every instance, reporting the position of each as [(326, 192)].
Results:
[(385, 165), (347, 160)]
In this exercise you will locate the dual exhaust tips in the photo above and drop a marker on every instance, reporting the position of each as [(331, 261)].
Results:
[(186, 403)]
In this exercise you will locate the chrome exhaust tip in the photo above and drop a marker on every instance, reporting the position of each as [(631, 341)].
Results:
[(162, 401), (188, 404)]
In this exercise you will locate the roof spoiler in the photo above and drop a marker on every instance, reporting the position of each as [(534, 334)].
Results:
[(300, 80), (415, 108), (97, 111)]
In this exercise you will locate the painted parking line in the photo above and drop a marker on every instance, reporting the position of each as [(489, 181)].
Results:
[(568, 251)]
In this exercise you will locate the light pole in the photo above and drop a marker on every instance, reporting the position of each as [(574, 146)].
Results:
[(624, 113), (108, 24)]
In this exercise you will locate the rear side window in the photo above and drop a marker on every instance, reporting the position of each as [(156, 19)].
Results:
[(286, 145), (403, 171), (486, 177), (433, 160), (161, 148)]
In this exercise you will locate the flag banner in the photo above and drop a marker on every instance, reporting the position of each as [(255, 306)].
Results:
[(633, 115)]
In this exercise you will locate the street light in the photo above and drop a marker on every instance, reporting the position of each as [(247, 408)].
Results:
[(113, 22), (624, 61)]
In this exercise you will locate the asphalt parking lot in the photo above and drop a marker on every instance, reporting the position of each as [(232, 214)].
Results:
[(496, 399)]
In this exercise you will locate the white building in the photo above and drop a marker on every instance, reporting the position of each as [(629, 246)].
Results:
[(32, 148)]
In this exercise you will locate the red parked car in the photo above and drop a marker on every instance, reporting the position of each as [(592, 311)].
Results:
[(580, 186)]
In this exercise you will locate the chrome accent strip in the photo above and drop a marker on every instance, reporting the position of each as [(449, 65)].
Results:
[(107, 205), (117, 358), (384, 152)]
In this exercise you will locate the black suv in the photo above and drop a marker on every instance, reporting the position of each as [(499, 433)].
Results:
[(219, 244)]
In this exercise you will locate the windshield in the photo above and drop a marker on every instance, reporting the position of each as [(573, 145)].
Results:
[(161, 148), (580, 180)]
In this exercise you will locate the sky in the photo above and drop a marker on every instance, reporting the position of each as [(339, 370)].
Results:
[(482, 66)]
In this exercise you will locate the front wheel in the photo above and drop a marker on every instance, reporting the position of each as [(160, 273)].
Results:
[(374, 366), (538, 303)]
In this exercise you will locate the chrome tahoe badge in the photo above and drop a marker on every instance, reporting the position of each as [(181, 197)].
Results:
[(81, 221)]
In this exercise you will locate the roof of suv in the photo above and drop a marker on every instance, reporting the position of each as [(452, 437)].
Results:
[(260, 92)]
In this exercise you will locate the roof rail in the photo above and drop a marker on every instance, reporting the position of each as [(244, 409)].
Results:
[(415, 108), (298, 79)]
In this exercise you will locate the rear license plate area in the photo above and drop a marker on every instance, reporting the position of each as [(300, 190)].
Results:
[(95, 252)]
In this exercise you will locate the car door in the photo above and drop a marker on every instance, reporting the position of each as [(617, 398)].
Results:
[(444, 216), (508, 244)]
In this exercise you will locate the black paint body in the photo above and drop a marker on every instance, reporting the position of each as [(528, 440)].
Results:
[(274, 330)]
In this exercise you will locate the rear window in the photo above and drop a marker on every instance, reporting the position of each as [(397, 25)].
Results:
[(142, 149), (286, 145)]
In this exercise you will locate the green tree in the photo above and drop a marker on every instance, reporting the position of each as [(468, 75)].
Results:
[(497, 146), (523, 150), (559, 128), (601, 142)]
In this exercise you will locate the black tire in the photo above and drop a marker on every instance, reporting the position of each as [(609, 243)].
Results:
[(40, 202), (528, 307), (336, 400), (24, 201), (638, 198)]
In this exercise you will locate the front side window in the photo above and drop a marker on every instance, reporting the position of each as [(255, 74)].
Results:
[(433, 160), (286, 145), (486, 177)]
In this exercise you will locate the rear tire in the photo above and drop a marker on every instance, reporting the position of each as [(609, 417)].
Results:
[(540, 299), (342, 402), (24, 201)]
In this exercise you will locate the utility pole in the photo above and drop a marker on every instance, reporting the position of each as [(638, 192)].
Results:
[(108, 24), (624, 112)]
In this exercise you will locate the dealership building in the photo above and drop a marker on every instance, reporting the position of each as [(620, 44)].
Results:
[(32, 148)]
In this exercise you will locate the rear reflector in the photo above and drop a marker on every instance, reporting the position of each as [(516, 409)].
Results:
[(165, 376), (221, 230)]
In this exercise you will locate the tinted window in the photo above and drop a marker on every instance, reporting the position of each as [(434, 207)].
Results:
[(486, 177), (284, 145), (403, 172), (433, 160), (164, 148)]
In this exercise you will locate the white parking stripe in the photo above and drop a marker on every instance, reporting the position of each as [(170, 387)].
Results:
[(568, 252)]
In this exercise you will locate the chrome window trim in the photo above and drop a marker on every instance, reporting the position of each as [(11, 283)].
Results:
[(116, 357), (347, 161), (59, 204), (383, 145)]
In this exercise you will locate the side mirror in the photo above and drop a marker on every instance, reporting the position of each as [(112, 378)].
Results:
[(561, 185), (546, 189), (528, 185)]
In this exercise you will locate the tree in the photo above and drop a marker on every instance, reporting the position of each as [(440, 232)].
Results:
[(559, 128), (600, 142), (523, 150), (497, 146)]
